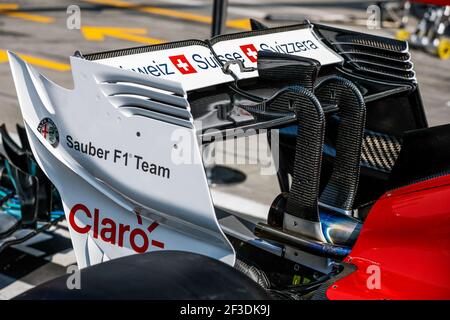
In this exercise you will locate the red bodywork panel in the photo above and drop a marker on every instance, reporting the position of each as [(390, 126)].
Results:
[(406, 240), (435, 2)]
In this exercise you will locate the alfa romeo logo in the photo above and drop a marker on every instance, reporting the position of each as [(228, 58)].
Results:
[(49, 131)]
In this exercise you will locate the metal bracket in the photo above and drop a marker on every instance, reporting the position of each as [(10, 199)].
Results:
[(240, 63)]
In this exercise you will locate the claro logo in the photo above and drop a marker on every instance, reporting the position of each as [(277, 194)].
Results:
[(109, 231)]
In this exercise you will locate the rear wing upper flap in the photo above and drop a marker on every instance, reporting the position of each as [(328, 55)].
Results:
[(197, 64)]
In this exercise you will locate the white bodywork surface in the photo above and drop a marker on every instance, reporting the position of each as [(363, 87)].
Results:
[(195, 65), (130, 197)]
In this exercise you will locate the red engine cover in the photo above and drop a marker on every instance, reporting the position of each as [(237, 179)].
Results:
[(403, 251), (435, 2)]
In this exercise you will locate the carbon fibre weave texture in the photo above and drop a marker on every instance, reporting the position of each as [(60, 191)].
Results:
[(297, 75), (373, 41), (387, 58), (142, 49), (303, 196), (276, 67), (380, 151), (371, 56), (341, 189)]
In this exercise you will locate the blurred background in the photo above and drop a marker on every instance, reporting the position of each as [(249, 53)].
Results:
[(46, 33)]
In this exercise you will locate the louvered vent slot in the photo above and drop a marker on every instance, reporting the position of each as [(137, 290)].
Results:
[(381, 62), (377, 57), (388, 55), (379, 71), (373, 42), (136, 96)]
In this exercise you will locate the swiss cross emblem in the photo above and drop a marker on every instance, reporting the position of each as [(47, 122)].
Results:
[(182, 64), (48, 130), (250, 51)]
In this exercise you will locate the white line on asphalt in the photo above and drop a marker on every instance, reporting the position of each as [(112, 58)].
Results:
[(14, 289), (63, 258)]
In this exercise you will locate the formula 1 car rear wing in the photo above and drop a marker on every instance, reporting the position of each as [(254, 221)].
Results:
[(381, 66), (122, 146)]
